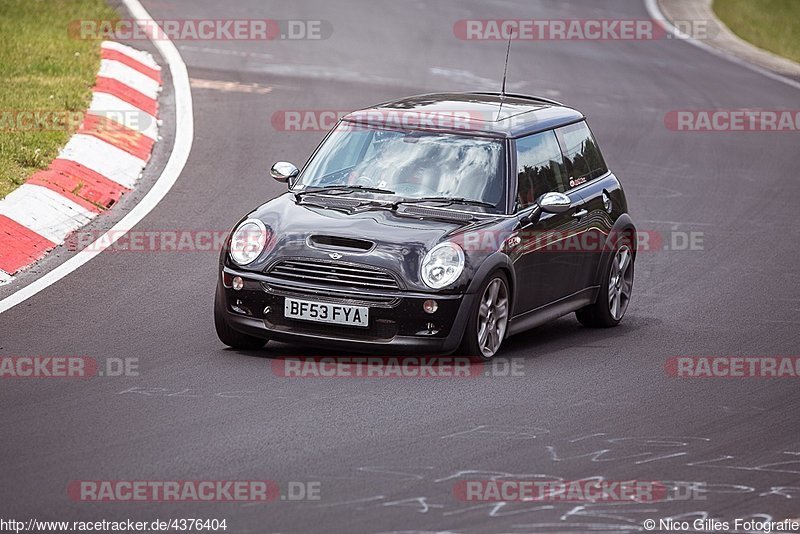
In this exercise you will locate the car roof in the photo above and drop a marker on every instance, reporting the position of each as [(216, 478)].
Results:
[(478, 114)]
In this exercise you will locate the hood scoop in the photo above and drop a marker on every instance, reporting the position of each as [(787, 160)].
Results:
[(332, 242)]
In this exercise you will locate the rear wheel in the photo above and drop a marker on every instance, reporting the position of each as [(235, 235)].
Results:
[(228, 335), (615, 293), (488, 321)]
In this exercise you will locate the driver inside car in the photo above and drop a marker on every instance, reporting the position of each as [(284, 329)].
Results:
[(415, 180)]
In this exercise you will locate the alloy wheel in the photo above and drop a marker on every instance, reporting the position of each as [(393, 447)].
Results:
[(492, 317), (620, 282)]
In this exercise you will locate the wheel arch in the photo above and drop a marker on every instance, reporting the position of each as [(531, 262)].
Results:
[(623, 228), (497, 261)]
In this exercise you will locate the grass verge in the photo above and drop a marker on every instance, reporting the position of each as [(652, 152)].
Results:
[(43, 69), (773, 25)]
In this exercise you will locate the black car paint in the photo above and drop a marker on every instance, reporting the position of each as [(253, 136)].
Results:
[(544, 285)]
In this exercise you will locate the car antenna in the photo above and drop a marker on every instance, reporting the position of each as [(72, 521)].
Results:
[(505, 70)]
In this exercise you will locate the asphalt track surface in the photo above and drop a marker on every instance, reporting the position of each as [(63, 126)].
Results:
[(591, 403)]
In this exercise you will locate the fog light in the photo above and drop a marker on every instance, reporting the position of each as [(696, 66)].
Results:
[(430, 306), (237, 283), (240, 308)]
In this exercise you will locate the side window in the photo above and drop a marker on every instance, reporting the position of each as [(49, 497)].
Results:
[(540, 167), (581, 155)]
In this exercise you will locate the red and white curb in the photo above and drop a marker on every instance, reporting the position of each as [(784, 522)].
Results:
[(101, 162)]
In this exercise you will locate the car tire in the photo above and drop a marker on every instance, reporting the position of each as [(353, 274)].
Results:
[(228, 335), (615, 291), (481, 315)]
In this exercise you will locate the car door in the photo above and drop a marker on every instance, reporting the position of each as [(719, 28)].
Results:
[(588, 177), (545, 265)]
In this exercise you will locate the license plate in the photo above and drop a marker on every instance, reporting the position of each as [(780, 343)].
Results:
[(323, 312)]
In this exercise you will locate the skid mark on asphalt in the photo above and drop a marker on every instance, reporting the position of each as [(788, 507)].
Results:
[(193, 393), (230, 87), (469, 78), (677, 223), (494, 431), (223, 52)]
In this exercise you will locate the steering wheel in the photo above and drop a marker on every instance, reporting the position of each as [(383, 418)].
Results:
[(364, 180)]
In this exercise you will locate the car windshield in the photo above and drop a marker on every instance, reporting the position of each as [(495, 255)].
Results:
[(410, 165)]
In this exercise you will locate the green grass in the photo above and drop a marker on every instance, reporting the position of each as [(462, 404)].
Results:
[(42, 67), (773, 25)]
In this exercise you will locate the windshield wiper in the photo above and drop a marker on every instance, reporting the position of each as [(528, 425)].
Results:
[(345, 188), (446, 200)]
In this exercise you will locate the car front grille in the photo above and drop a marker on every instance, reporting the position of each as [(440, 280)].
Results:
[(333, 274)]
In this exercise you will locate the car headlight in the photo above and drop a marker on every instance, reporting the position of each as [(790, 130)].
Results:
[(248, 241), (442, 265)]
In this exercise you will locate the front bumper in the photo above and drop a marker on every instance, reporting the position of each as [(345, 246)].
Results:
[(396, 319)]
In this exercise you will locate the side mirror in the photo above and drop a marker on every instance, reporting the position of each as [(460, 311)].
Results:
[(283, 171), (554, 202), (532, 217)]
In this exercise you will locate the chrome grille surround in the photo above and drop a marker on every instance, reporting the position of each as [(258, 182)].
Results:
[(334, 274)]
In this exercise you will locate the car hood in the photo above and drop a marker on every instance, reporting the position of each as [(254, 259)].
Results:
[(372, 235)]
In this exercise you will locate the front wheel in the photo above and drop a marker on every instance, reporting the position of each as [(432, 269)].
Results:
[(228, 335), (615, 293), (488, 321)]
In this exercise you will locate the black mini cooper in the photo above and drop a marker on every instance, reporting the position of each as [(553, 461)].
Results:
[(434, 223)]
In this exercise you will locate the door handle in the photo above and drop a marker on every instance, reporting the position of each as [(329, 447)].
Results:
[(579, 214)]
